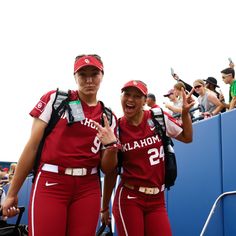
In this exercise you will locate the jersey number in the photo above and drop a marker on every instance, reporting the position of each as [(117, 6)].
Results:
[(97, 144), (156, 155)]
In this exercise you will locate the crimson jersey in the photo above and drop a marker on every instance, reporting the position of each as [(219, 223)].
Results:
[(143, 152), (73, 145)]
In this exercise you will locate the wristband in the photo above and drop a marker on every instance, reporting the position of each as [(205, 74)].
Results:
[(114, 145), (110, 144), (104, 210)]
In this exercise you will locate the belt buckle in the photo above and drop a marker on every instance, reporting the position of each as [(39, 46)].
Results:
[(79, 171), (149, 190)]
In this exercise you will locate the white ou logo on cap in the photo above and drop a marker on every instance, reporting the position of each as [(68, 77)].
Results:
[(86, 61), (39, 105), (135, 83)]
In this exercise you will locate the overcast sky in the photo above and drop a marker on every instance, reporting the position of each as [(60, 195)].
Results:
[(136, 40)]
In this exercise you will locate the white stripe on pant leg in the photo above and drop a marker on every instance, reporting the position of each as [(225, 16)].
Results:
[(32, 204), (121, 216)]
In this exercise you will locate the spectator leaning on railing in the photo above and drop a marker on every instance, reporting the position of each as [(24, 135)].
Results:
[(228, 78), (4, 177), (174, 101), (11, 171), (176, 108), (210, 83), (207, 99)]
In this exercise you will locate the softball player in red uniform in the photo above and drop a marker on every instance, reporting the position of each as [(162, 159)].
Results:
[(139, 206), (65, 197)]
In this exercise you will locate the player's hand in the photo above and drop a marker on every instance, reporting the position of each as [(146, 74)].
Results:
[(105, 134), (188, 100), (105, 217), (9, 207)]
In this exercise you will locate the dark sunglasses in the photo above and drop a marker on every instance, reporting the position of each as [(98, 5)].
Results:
[(92, 55), (197, 86), (224, 76)]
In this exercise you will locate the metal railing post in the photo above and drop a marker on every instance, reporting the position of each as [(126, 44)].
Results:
[(213, 209)]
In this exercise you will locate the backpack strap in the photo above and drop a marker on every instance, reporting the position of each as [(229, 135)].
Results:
[(170, 160), (58, 108), (108, 113), (159, 121), (60, 104), (160, 125)]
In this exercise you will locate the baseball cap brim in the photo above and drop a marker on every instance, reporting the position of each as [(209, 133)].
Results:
[(136, 84), (87, 61), (169, 93)]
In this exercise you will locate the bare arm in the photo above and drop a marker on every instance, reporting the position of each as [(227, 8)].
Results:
[(24, 166), (173, 108), (109, 160), (219, 106), (109, 184), (187, 133), (232, 103)]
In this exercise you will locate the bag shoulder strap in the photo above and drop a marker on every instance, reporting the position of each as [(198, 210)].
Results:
[(159, 121), (59, 105), (108, 113), (160, 125)]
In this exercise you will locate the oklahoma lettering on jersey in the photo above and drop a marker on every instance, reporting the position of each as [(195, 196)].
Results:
[(143, 152), (73, 145), (140, 143)]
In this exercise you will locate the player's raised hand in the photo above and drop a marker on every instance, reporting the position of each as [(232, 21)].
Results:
[(105, 134), (188, 101)]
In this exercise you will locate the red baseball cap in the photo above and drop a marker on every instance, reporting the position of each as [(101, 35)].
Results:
[(171, 91), (141, 86), (87, 60)]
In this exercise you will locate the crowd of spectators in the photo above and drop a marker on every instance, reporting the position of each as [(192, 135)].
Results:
[(6, 174), (209, 99)]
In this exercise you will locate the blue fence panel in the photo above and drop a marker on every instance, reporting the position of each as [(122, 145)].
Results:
[(228, 130), (198, 182)]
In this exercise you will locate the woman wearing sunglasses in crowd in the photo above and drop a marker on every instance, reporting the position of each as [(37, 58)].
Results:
[(139, 204), (207, 99), (65, 196)]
